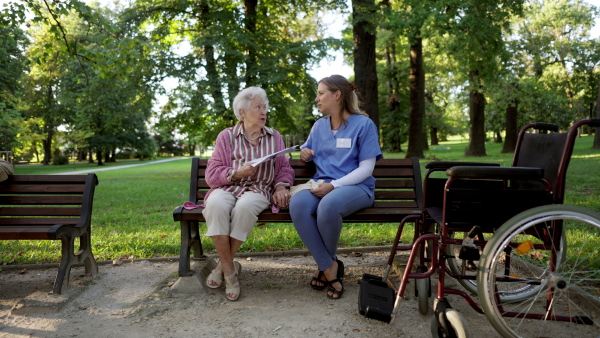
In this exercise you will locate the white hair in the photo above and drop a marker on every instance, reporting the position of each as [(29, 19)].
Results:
[(242, 100)]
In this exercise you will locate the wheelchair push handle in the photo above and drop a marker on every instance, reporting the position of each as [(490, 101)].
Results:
[(594, 123), (545, 126)]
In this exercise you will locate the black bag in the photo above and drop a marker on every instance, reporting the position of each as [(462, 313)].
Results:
[(375, 298)]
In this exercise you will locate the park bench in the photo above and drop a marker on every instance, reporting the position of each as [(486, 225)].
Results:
[(397, 194), (51, 207)]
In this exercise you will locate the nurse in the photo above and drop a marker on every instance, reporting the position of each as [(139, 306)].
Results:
[(344, 146)]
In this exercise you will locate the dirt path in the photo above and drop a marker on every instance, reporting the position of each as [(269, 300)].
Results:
[(139, 300), (77, 172)]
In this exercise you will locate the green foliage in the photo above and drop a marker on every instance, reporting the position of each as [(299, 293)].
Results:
[(60, 160), (95, 71), (12, 67), (271, 45)]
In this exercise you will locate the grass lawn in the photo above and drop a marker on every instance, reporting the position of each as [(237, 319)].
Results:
[(133, 207)]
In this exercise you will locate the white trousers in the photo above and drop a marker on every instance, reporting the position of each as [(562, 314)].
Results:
[(230, 216)]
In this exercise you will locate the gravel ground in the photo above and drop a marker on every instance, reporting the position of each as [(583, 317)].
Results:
[(146, 299)]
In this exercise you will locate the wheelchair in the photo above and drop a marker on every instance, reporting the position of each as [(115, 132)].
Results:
[(504, 234)]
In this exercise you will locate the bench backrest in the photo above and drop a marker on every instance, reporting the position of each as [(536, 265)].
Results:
[(398, 181), (45, 200)]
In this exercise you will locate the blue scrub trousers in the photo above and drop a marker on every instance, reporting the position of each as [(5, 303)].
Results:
[(319, 221)]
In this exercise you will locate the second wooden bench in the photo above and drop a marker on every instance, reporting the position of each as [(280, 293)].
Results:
[(51, 207)]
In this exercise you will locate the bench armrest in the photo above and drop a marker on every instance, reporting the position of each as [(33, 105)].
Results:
[(177, 213), (450, 164), (487, 172)]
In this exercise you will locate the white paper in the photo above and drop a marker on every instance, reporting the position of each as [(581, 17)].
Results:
[(260, 160)]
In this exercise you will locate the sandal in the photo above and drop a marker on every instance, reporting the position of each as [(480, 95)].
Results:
[(216, 277), (233, 287), (340, 276), (334, 291), (318, 279)]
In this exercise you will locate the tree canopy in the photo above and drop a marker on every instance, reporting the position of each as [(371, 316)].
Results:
[(82, 77)]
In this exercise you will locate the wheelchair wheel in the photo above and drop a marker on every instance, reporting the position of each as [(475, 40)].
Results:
[(456, 266), (555, 261), (456, 325), (423, 291)]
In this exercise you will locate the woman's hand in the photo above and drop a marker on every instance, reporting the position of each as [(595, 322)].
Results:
[(246, 170), (281, 197), (322, 190), (306, 154)]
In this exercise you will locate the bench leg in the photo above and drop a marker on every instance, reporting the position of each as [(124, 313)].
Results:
[(190, 240), (71, 258), (195, 242), (184, 249)]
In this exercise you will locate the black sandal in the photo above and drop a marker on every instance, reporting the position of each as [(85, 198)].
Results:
[(340, 276), (318, 279), (333, 290)]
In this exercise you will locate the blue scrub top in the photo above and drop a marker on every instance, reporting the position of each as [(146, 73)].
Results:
[(338, 155)]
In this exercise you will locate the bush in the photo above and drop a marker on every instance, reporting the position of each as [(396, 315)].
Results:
[(125, 154), (60, 160)]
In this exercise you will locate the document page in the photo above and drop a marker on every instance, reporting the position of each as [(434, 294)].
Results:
[(260, 160)]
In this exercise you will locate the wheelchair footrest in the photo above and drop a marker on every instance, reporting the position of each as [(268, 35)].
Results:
[(375, 298)]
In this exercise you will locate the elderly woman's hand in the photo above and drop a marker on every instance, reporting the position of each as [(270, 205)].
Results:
[(281, 197), (245, 170)]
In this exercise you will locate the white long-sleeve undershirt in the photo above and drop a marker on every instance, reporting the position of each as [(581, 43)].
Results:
[(364, 170)]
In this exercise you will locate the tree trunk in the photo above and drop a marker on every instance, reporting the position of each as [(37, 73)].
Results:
[(99, 157), (47, 144), (365, 62), (512, 131), (476, 145), (211, 65), (417, 100), (35, 151), (596, 144), (192, 149), (433, 132), (250, 25), (392, 134), (49, 127), (498, 138)]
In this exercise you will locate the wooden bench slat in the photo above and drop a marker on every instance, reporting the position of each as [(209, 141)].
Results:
[(397, 184), (393, 172), (40, 189), (378, 213), (55, 179), (408, 204), (395, 162), (40, 211), (37, 221), (41, 200), (29, 232), (394, 195)]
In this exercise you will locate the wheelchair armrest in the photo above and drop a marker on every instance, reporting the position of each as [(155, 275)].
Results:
[(525, 173), (450, 164)]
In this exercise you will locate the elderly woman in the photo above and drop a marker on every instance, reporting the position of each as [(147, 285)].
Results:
[(239, 190)]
